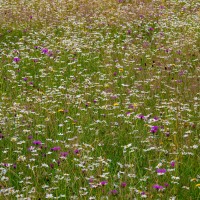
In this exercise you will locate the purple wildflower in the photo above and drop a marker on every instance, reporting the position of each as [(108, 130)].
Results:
[(156, 118), (31, 148), (141, 16), (158, 187), (37, 142), (141, 116), (30, 137), (45, 50), (172, 163), (16, 59), (55, 149), (151, 29), (115, 74), (5, 164), (123, 184), (166, 185), (131, 106), (35, 60), (161, 171), (1, 136), (114, 192), (167, 134), (154, 129), (76, 151), (103, 183), (51, 165), (58, 162), (64, 154), (128, 113), (91, 180)]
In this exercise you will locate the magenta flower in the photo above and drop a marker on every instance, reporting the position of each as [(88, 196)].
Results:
[(123, 184), (167, 134), (158, 187), (30, 137), (50, 53), (141, 116), (129, 32), (58, 162), (16, 59), (91, 180), (114, 192), (76, 151), (166, 185), (103, 183), (55, 149), (128, 113), (51, 165), (45, 50), (172, 163), (31, 148), (64, 154), (154, 129), (37, 142), (156, 118), (161, 171), (25, 78), (115, 74), (151, 29)]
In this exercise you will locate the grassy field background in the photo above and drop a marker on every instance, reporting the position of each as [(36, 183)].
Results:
[(99, 99)]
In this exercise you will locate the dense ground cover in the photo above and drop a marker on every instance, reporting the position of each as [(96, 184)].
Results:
[(99, 99)]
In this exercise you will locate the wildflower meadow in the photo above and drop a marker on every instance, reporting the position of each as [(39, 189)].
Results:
[(99, 99)]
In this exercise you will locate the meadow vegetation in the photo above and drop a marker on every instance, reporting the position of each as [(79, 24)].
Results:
[(99, 99)]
